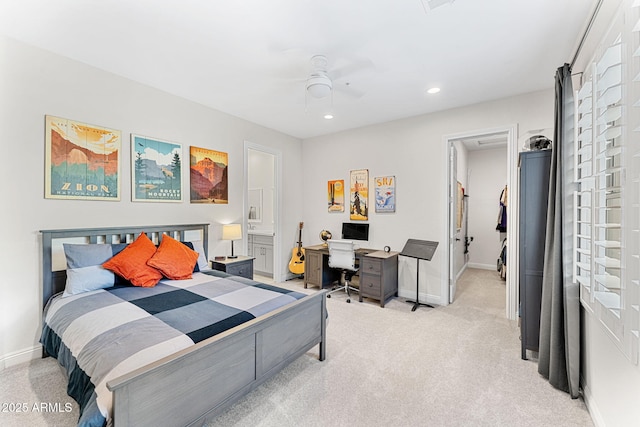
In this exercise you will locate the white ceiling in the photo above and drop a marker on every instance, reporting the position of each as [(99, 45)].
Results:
[(250, 58)]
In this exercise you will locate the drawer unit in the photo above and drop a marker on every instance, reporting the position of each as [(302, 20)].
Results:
[(243, 269), (379, 276), (241, 266), (370, 283), (370, 265)]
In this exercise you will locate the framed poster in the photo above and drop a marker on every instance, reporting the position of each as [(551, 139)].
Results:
[(82, 161), (359, 195), (335, 195), (156, 170), (385, 191), (208, 170)]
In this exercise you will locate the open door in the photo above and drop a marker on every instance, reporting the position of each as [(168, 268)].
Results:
[(453, 223), (261, 211)]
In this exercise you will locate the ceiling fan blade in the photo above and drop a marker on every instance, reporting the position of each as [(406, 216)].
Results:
[(348, 90), (350, 68)]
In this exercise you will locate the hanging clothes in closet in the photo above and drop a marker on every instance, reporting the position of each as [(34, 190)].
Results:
[(502, 215)]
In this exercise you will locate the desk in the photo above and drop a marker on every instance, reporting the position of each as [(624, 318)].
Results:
[(378, 271)]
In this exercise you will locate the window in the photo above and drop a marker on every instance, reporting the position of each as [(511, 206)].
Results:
[(607, 171)]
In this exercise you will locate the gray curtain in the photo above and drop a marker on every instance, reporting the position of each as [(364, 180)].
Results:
[(559, 352)]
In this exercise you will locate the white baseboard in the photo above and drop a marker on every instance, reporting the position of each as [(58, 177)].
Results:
[(482, 266), (464, 267), (20, 357), (596, 417)]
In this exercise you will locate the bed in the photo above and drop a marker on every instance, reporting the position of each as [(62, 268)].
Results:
[(190, 382)]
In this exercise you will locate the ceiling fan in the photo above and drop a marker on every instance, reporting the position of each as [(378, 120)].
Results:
[(320, 83)]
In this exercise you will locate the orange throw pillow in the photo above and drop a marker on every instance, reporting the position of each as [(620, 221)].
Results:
[(174, 259), (131, 263)]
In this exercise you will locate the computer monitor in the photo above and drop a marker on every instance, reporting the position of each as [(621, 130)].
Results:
[(353, 231)]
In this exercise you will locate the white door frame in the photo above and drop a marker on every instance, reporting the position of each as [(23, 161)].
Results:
[(277, 190), (512, 235), (452, 217)]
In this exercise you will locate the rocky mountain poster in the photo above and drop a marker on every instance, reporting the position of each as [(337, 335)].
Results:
[(208, 170), (156, 170), (82, 161)]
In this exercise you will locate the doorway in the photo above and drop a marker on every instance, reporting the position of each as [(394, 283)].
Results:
[(261, 209), (458, 147)]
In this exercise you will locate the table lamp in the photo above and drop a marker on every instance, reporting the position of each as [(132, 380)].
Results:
[(232, 232)]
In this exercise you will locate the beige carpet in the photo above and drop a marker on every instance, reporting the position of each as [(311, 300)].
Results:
[(450, 366)]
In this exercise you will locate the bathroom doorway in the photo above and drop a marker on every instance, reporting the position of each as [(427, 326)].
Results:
[(261, 209)]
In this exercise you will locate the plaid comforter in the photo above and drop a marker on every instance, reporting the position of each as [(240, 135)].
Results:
[(100, 335)]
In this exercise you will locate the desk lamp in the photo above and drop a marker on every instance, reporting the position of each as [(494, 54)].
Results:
[(232, 232)]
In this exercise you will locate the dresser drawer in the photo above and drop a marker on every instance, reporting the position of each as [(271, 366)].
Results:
[(241, 266), (370, 285), (370, 266), (242, 269)]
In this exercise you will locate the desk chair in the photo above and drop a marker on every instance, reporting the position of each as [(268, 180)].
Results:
[(342, 256)]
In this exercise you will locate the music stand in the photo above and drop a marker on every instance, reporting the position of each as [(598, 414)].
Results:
[(419, 249)]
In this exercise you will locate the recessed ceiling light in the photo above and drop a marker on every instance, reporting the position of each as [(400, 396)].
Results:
[(433, 90), (328, 116)]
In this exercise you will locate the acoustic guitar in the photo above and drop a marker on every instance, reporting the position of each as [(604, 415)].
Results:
[(296, 264)]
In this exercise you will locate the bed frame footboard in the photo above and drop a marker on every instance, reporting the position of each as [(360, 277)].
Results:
[(198, 383)]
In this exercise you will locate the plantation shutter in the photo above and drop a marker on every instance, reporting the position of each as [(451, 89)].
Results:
[(606, 253)]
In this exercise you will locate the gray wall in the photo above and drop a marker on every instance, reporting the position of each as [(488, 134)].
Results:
[(34, 83), (487, 178), (414, 150)]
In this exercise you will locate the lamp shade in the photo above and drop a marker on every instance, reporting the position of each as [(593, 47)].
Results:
[(231, 232)]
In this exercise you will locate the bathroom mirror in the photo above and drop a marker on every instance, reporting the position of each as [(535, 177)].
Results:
[(255, 205)]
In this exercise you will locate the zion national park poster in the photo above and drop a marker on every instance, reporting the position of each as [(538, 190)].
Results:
[(208, 169), (82, 161)]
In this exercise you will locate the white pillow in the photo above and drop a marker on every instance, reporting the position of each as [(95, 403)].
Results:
[(203, 264), (84, 267)]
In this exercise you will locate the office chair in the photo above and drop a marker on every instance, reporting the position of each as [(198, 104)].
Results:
[(342, 256)]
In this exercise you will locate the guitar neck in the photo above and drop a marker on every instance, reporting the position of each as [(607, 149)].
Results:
[(299, 237)]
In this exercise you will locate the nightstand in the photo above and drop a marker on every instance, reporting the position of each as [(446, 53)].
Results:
[(241, 266)]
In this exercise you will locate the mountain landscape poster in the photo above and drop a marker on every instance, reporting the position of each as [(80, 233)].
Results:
[(82, 161), (208, 172), (156, 169), (335, 195)]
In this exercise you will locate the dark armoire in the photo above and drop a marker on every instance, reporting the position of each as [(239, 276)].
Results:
[(533, 195)]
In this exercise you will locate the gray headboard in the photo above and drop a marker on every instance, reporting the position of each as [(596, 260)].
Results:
[(54, 281)]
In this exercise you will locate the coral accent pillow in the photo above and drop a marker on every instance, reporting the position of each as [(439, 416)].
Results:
[(174, 259), (131, 263)]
